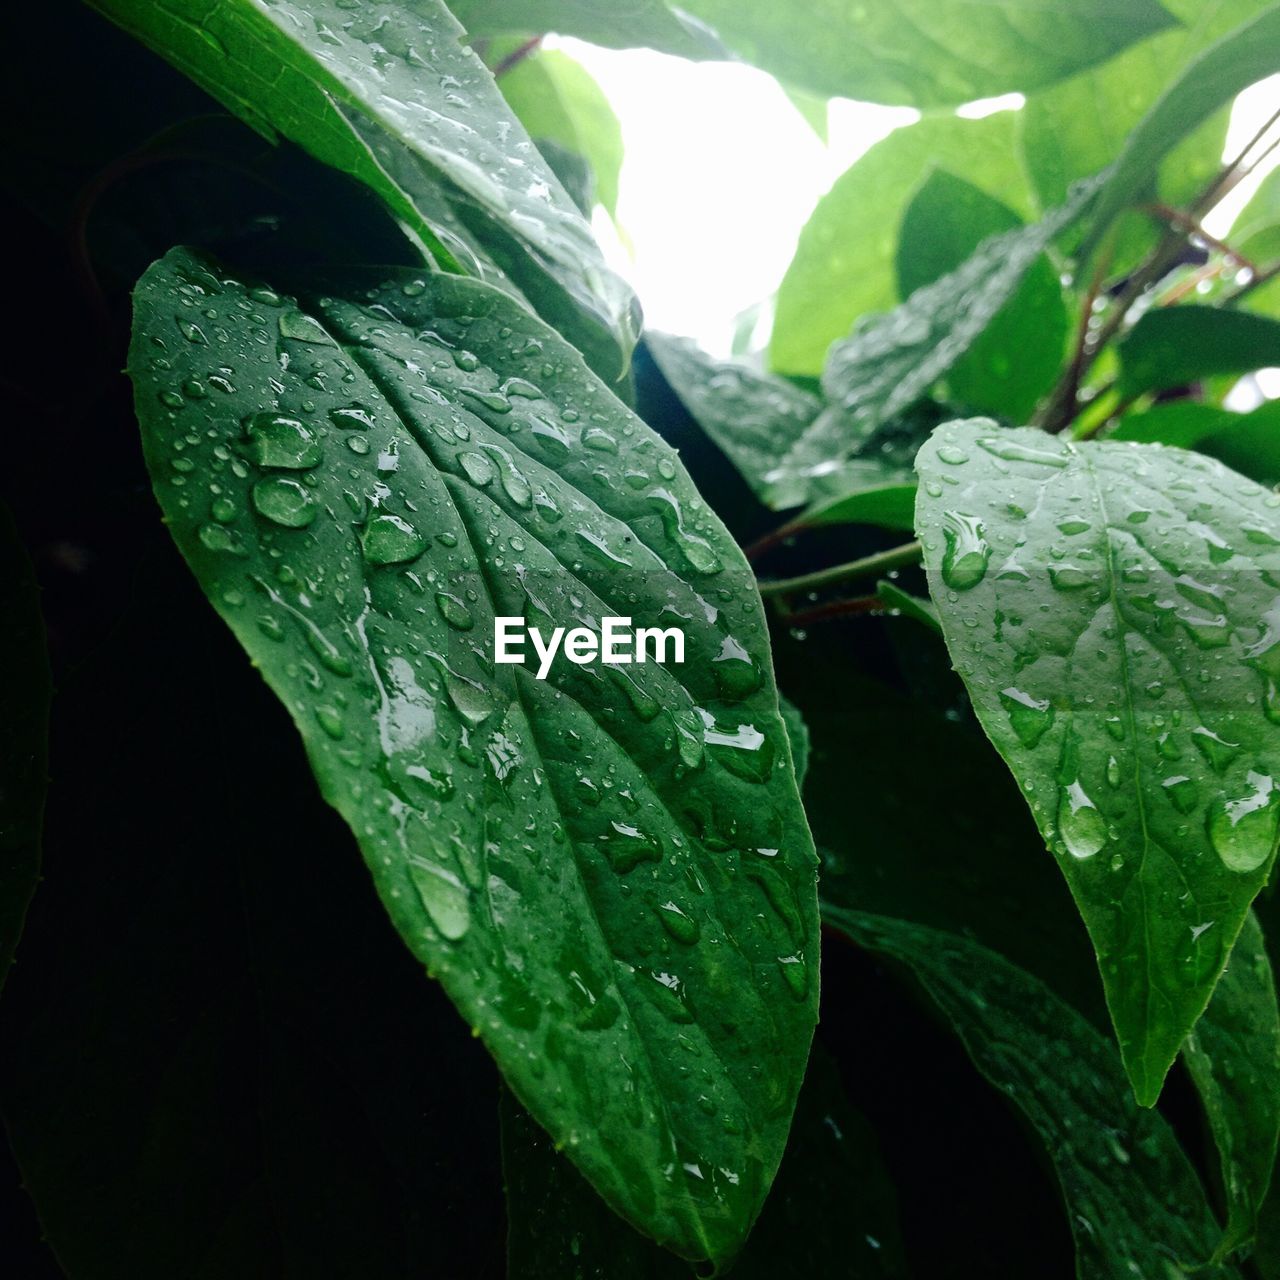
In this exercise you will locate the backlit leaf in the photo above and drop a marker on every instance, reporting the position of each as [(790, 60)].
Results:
[(1175, 346)]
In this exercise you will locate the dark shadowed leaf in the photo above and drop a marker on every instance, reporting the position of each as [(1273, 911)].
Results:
[(608, 869), (1233, 1055), (832, 1212), (1131, 1194), (1175, 346), (392, 97), (1110, 609)]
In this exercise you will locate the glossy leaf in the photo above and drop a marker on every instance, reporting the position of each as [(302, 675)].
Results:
[(1110, 609), (1247, 442), (1176, 346), (24, 736), (1233, 1055), (888, 504), (652, 23), (1246, 55), (903, 604), (844, 264), (832, 1212), (1017, 358), (361, 486), (557, 100), (752, 416), (889, 362), (926, 53), (1071, 130), (393, 98), (1131, 1194)]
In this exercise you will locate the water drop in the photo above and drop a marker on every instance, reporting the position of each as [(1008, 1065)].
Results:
[(1083, 829), (444, 897), (284, 502), (965, 558), (388, 539), (1031, 718), (278, 441), (1243, 831)]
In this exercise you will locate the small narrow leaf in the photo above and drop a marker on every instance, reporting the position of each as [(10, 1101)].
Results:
[(25, 693), (1239, 59), (891, 361), (1175, 346), (1131, 1194), (1110, 608), (608, 869), (1233, 1055), (395, 99), (1017, 358)]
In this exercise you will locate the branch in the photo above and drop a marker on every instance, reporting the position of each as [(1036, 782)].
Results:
[(868, 566)]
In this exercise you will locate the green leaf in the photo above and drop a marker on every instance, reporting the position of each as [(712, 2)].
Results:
[(832, 1212), (1246, 55), (1077, 128), (927, 53), (1247, 442), (24, 737), (1131, 1194), (556, 99), (361, 487), (891, 505), (903, 603), (753, 417), (1176, 346), (393, 98), (844, 262), (1233, 1055), (651, 23), (1109, 610), (1256, 234), (891, 361), (1016, 359), (797, 736)]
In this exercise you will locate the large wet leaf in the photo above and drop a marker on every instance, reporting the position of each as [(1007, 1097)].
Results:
[(1131, 1194), (24, 730), (1112, 609), (608, 870), (844, 265), (833, 1210), (391, 96), (927, 53), (1233, 1055), (1244, 56)]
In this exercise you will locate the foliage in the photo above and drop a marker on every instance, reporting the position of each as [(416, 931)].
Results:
[(1023, 766)]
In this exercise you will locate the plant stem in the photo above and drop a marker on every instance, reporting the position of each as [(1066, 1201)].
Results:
[(881, 562), (517, 56), (753, 551), (835, 609)]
